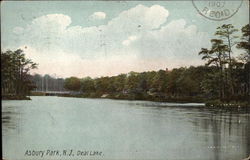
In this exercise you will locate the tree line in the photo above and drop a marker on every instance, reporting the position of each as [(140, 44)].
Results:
[(224, 76), (151, 85), (15, 76)]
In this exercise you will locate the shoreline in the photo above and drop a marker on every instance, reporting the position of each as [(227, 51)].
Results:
[(170, 100), (208, 104), (14, 97)]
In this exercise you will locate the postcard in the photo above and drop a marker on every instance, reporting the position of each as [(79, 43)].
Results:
[(125, 80)]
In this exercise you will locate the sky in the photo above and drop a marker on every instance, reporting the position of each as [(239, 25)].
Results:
[(106, 38)]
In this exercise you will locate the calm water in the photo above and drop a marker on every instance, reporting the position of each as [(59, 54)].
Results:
[(122, 130)]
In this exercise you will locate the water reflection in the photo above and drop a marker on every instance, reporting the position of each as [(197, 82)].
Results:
[(10, 119), (229, 129), (126, 129), (223, 130)]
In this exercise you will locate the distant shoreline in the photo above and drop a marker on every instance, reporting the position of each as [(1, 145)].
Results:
[(209, 103), (14, 97)]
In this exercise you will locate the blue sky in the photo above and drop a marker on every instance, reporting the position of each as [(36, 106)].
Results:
[(97, 38)]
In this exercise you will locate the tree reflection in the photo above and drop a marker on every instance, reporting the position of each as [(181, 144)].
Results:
[(226, 130), (9, 119)]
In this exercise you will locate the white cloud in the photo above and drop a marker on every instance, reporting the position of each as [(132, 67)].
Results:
[(129, 40), (137, 20), (132, 40), (173, 41), (18, 30), (98, 16), (45, 32)]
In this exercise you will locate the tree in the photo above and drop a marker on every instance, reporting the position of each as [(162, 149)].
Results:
[(132, 81), (229, 76), (160, 81), (102, 84), (219, 49), (227, 33), (15, 68), (172, 87), (141, 82), (189, 81), (119, 82), (245, 44), (72, 83), (210, 81), (87, 85)]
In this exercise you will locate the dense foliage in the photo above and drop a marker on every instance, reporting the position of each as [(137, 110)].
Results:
[(15, 77), (72, 83), (231, 78)]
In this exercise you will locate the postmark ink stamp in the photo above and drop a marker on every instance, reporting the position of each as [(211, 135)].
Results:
[(217, 10)]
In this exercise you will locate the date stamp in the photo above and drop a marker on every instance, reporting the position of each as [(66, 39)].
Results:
[(217, 10)]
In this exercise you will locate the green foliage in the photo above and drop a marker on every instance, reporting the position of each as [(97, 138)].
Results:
[(72, 83), (244, 44), (132, 81), (160, 85), (15, 68), (87, 85), (230, 78), (159, 81), (103, 84), (119, 82)]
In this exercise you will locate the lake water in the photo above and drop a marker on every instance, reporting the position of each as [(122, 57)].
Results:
[(120, 129)]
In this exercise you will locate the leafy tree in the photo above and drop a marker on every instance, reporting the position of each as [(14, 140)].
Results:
[(132, 81), (189, 81), (102, 84), (160, 81), (119, 82), (245, 44), (15, 68), (72, 83), (143, 82), (87, 85), (217, 56), (172, 87), (209, 84), (227, 33)]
